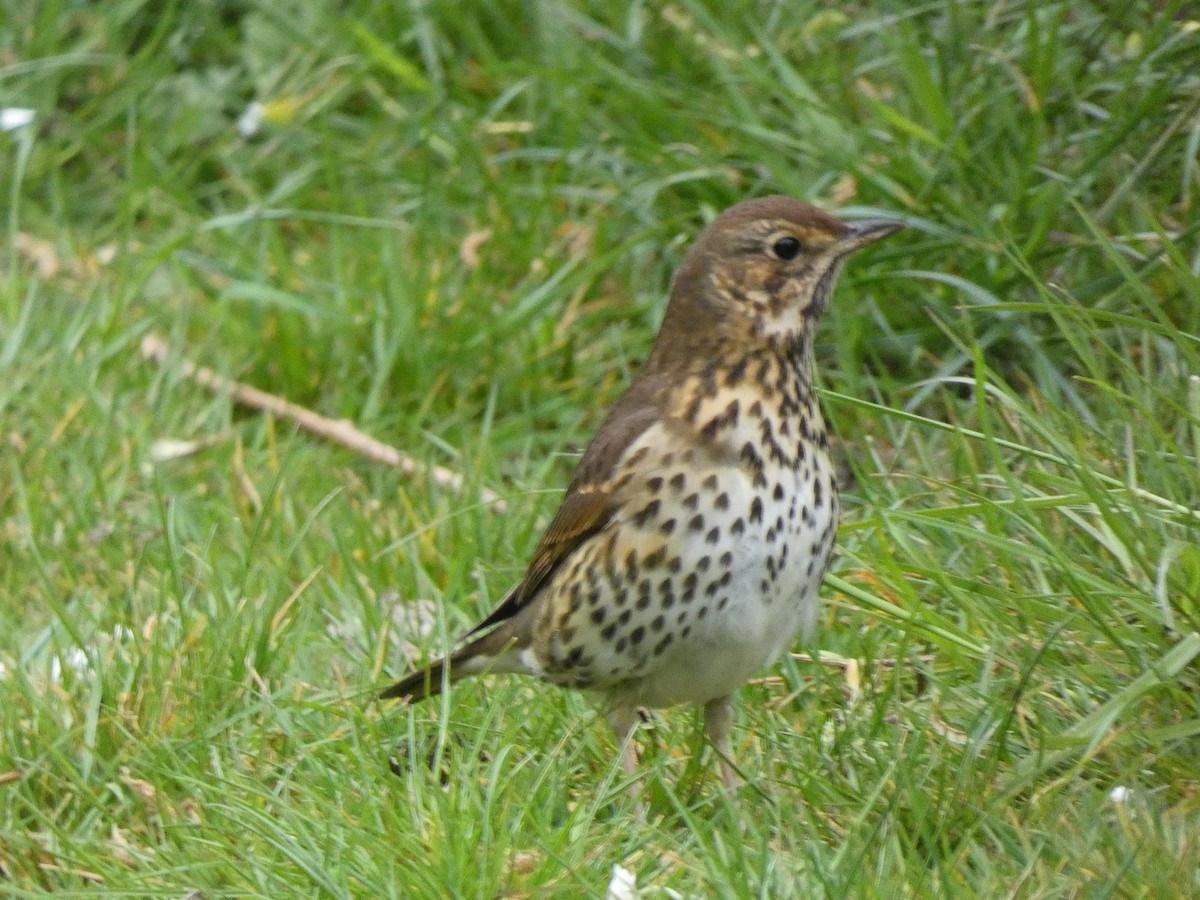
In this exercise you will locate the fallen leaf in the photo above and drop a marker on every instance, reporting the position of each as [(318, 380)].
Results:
[(39, 252), (468, 250), (144, 789)]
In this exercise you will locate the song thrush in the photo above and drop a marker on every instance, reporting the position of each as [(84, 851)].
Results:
[(691, 544)]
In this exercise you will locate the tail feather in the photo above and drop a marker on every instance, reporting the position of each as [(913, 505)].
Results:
[(481, 655), (420, 685)]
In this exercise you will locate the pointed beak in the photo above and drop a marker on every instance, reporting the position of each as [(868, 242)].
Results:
[(868, 231)]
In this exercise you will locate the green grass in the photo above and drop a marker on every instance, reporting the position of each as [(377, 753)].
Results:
[(189, 647)]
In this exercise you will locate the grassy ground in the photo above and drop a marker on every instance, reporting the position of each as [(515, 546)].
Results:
[(455, 227)]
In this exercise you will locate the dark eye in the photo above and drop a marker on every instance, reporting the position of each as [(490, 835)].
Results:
[(786, 247)]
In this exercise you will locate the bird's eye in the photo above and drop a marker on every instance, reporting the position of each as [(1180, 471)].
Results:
[(786, 248)]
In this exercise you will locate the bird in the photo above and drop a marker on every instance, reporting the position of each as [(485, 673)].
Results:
[(689, 549)]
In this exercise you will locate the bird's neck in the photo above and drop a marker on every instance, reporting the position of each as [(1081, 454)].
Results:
[(756, 404)]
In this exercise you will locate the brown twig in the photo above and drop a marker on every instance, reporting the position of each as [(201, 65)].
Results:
[(340, 431)]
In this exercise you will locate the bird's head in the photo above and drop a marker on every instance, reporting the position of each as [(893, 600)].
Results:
[(762, 272)]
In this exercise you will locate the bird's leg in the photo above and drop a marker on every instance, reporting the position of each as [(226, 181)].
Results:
[(718, 720), (622, 720)]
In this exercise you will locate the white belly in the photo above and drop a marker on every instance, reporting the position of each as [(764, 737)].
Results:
[(772, 594)]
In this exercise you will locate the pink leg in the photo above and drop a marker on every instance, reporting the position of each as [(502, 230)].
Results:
[(718, 721), (623, 720)]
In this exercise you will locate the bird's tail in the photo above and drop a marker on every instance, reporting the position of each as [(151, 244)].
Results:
[(422, 684), (481, 655)]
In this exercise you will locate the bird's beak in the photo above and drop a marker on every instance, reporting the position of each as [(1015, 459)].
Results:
[(868, 231)]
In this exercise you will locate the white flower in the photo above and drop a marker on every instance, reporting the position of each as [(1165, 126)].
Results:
[(14, 117), (251, 120), (1120, 794), (74, 659), (622, 885)]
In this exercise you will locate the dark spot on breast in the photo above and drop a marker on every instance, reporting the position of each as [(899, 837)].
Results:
[(726, 559), (750, 456), (709, 483), (738, 526), (654, 485), (608, 631), (647, 512), (678, 481), (667, 526), (658, 623), (620, 645), (691, 501), (818, 499), (663, 644), (756, 510), (623, 618), (764, 372), (635, 636), (713, 536), (722, 603), (778, 493), (696, 523), (598, 615), (631, 564), (722, 501), (736, 372)]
